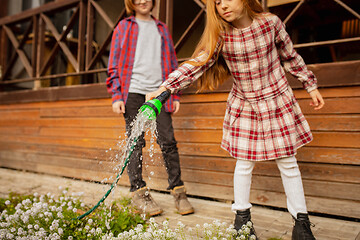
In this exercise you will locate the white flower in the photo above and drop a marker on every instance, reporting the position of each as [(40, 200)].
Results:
[(70, 238), (249, 224), (7, 202), (180, 224), (10, 236), (90, 221), (252, 237), (98, 231), (74, 210), (60, 231)]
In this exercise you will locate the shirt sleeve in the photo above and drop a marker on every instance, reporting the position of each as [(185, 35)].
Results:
[(174, 62), (113, 81), (292, 61), (187, 73)]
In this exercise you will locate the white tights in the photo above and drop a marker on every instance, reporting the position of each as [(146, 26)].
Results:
[(291, 178)]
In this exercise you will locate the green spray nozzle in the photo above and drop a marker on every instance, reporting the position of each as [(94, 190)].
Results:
[(152, 108)]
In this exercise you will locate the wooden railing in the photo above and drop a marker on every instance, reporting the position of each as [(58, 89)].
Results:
[(36, 28), (26, 36)]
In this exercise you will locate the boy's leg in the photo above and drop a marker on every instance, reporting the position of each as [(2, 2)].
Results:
[(168, 145), (141, 198), (134, 168), (167, 142)]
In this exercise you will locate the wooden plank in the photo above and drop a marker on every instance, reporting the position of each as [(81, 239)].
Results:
[(99, 91), (267, 198), (79, 142), (56, 103), (98, 133), (89, 153), (336, 139), (329, 155), (19, 131), (49, 7), (116, 123), (316, 204), (22, 114), (349, 122), (312, 188), (333, 106)]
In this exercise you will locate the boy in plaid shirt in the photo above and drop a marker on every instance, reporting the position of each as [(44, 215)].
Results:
[(141, 56)]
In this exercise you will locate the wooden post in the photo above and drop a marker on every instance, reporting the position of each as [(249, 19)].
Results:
[(169, 15), (81, 37), (34, 44), (90, 34), (40, 51), (3, 51)]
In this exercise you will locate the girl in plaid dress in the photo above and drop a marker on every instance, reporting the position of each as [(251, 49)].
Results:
[(263, 120)]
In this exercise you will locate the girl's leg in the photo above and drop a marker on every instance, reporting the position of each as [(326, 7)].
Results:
[(291, 178), (242, 184)]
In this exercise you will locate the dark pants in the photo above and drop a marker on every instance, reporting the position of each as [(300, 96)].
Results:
[(165, 139)]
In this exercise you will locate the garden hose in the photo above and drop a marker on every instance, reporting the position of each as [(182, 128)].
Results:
[(150, 109), (113, 184)]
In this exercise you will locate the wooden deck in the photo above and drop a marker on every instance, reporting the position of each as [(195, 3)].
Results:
[(268, 223)]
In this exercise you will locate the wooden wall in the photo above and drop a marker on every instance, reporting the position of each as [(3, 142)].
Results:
[(78, 139)]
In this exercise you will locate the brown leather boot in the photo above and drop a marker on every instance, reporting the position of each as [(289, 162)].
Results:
[(144, 203), (181, 202)]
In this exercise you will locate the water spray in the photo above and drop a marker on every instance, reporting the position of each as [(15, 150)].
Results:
[(150, 110)]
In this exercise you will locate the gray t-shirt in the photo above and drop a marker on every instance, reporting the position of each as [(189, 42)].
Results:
[(147, 74)]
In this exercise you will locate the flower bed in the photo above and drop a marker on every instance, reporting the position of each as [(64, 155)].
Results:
[(48, 217)]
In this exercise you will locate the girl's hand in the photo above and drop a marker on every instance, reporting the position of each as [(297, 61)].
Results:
[(317, 100), (154, 94)]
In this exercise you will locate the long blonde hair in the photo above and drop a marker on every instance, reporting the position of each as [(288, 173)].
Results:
[(215, 25)]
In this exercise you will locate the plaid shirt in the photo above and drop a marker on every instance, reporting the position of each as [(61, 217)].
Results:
[(122, 55), (263, 120)]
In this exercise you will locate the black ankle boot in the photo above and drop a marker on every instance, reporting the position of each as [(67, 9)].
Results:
[(241, 218), (301, 230)]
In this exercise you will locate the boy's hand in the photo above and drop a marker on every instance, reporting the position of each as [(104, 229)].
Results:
[(317, 100), (118, 107), (176, 106)]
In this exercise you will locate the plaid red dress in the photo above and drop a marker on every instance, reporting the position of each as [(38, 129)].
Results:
[(263, 120)]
